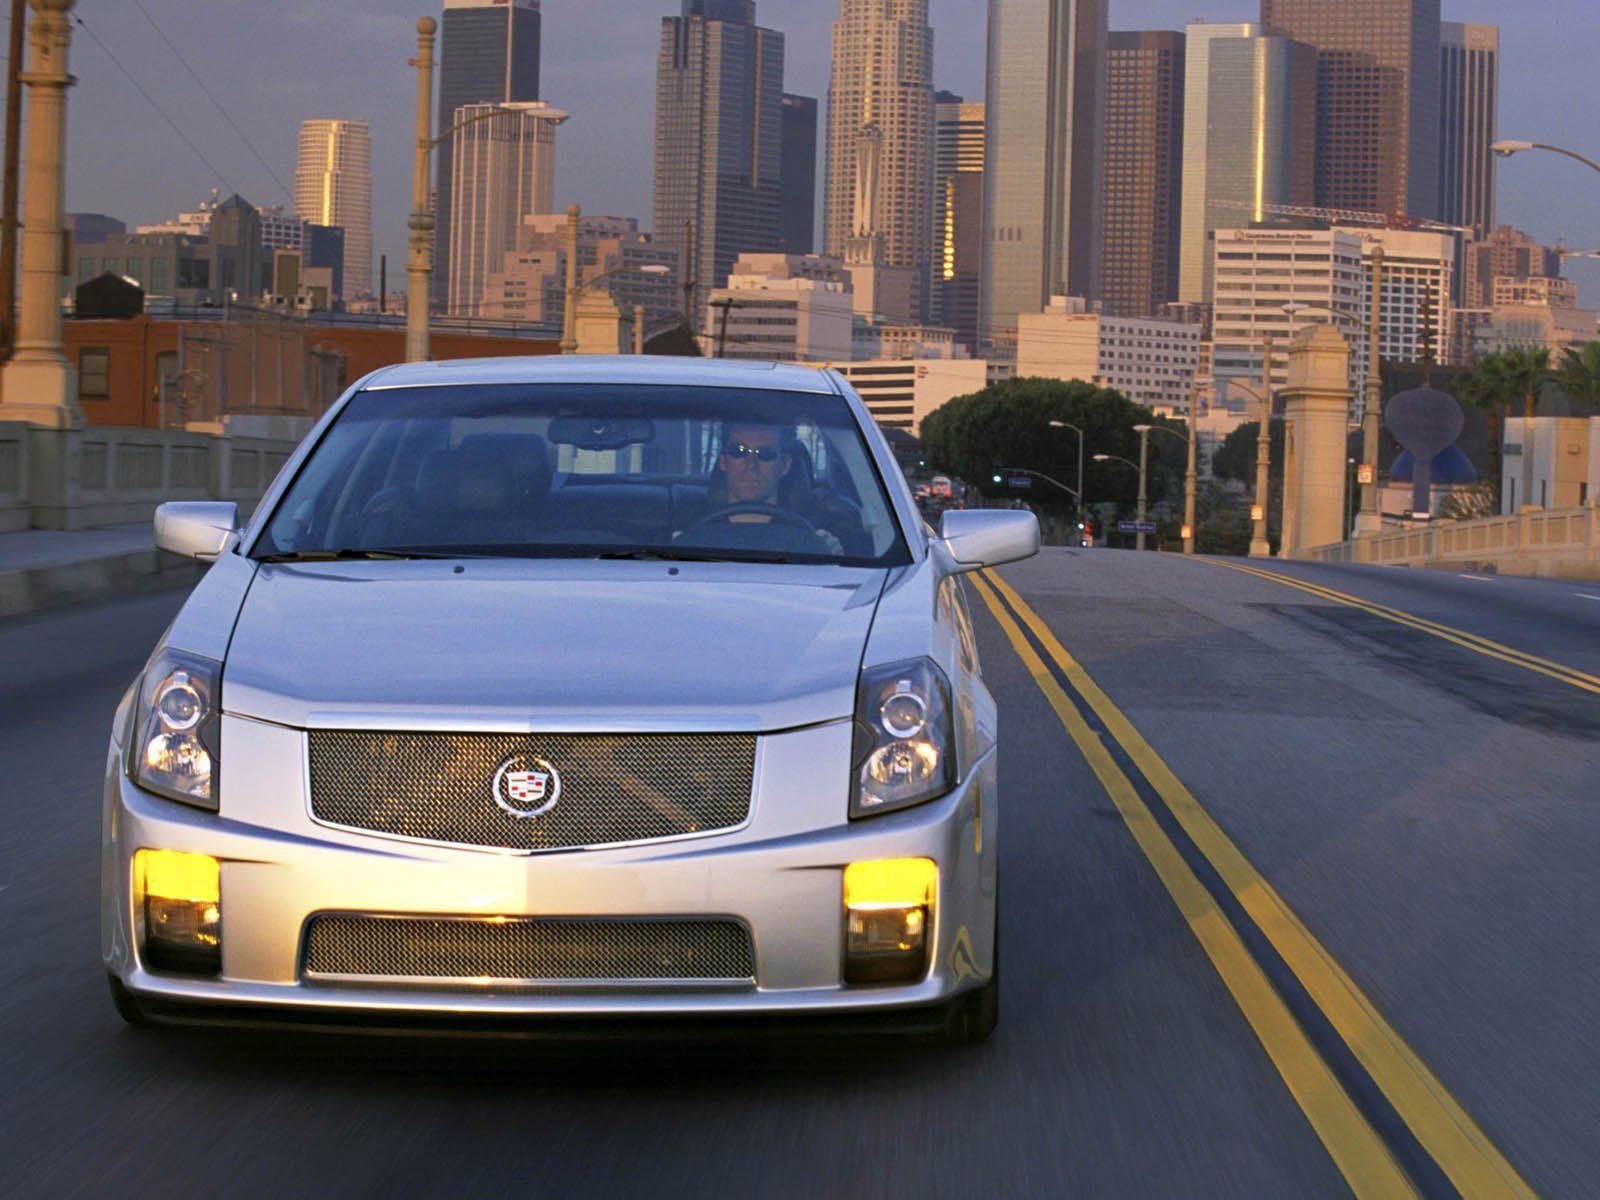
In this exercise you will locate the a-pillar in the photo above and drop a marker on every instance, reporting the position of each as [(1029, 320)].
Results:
[(1316, 419), (39, 385)]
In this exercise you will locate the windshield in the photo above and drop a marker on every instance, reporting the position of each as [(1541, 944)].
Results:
[(589, 471)]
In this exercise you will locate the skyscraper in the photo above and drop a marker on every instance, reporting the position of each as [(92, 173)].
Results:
[(878, 205), (958, 215), (719, 137), (488, 54), (333, 186), (1194, 255), (1377, 99), (797, 215), (1251, 109), (1469, 104), (1042, 167), (504, 170), (1144, 172)]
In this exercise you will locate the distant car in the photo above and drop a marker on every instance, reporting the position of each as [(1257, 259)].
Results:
[(566, 688), (941, 485)]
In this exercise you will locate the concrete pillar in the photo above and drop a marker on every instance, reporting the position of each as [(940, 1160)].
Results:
[(1317, 412), (38, 385), (599, 326)]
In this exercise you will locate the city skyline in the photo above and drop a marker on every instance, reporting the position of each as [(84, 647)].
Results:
[(358, 69)]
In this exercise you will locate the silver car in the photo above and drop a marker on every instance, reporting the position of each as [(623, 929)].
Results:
[(588, 688)]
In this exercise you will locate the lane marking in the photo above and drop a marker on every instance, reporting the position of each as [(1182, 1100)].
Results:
[(1360, 1154), (1479, 578), (1441, 1126), (1471, 641), (1587, 596)]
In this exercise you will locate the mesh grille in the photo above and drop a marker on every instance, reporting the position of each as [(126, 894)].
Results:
[(529, 950), (441, 787)]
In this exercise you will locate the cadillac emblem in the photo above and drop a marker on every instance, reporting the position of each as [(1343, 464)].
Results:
[(526, 787)]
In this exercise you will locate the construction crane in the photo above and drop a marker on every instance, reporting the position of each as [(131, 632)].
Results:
[(1345, 216)]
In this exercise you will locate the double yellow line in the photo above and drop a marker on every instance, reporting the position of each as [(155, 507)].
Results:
[(1440, 1125), (1460, 637)]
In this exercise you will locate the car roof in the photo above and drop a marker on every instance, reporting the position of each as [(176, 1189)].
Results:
[(582, 368)]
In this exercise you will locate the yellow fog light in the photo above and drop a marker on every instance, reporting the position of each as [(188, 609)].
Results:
[(888, 907), (180, 899)]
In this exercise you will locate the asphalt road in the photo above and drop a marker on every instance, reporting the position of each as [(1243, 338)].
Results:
[(1426, 809)]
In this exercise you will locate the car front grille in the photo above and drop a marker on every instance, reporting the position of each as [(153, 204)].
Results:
[(528, 951), (440, 787)]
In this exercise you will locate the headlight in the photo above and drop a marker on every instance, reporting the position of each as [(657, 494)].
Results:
[(174, 748), (904, 750)]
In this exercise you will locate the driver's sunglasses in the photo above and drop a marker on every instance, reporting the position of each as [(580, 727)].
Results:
[(741, 451)]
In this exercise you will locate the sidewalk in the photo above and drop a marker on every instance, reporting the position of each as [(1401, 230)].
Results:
[(41, 569)]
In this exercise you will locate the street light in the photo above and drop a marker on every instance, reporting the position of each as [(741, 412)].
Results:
[(1260, 547), (1506, 148), (1142, 466), (419, 266), (1190, 476), (1076, 429)]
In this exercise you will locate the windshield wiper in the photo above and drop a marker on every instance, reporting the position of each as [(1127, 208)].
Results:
[(355, 555), (659, 554)]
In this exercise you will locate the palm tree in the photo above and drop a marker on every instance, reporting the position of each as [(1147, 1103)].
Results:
[(1484, 386), (1524, 371), (1579, 373)]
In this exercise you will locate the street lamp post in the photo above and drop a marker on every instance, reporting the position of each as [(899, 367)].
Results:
[(1508, 147), (1144, 474), (1369, 522), (1260, 547), (575, 291), (1137, 466), (419, 266), (569, 315), (1082, 508), (1189, 481)]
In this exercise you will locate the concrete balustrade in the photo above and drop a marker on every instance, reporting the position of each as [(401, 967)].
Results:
[(113, 475), (1563, 543)]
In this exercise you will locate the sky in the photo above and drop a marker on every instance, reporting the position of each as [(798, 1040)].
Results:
[(272, 65)]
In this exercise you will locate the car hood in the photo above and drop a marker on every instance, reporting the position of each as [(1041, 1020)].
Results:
[(544, 646)]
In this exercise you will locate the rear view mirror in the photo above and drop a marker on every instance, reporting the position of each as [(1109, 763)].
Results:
[(976, 537), (199, 529), (602, 433)]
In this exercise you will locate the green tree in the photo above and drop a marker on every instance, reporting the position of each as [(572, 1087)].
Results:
[(1494, 383), (1579, 373), (1008, 425), (1236, 459)]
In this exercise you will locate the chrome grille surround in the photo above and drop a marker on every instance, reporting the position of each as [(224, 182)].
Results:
[(527, 951), (615, 788)]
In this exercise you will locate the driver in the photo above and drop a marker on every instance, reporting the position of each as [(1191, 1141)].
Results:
[(754, 461)]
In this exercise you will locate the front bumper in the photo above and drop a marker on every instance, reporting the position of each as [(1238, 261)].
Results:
[(780, 875)]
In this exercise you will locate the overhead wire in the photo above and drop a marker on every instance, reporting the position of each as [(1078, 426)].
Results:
[(217, 104), (161, 112)]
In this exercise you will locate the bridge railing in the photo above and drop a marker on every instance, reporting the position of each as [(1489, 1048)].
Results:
[(107, 475), (1517, 543)]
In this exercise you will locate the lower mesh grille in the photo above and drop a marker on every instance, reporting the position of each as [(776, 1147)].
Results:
[(528, 950)]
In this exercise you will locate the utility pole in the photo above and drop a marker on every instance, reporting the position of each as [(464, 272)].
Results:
[(726, 307), (638, 329), (569, 319), (13, 153), (1260, 547), (419, 267), (1369, 522)]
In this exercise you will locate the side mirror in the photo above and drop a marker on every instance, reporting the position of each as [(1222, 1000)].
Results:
[(976, 537), (200, 529)]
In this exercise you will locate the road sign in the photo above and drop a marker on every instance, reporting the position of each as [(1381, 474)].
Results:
[(1019, 481), (1136, 526), (1365, 474)]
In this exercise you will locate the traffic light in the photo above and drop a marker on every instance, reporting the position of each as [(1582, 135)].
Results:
[(998, 479)]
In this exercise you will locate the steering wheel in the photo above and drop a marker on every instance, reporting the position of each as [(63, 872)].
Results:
[(777, 516)]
